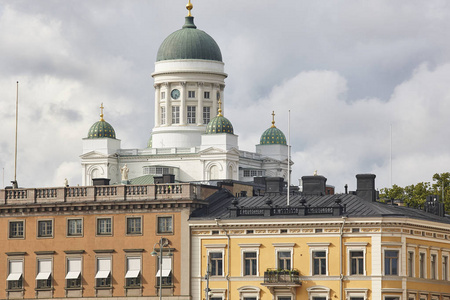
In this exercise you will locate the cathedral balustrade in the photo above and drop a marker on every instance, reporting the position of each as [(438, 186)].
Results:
[(104, 193)]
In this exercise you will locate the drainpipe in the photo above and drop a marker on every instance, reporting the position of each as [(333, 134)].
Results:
[(341, 276), (228, 258)]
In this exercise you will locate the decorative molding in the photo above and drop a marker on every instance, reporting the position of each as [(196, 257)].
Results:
[(254, 245), (44, 252), (318, 244), (215, 245), (133, 250), (74, 251), (15, 253), (104, 251), (283, 244), (356, 244)]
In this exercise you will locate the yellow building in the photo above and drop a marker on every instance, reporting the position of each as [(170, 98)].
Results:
[(97, 241), (320, 247)]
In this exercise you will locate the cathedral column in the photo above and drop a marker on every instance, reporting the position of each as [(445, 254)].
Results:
[(200, 104), (183, 114), (169, 107), (215, 100), (157, 104), (221, 87)]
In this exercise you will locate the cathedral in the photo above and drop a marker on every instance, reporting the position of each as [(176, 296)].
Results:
[(191, 138)]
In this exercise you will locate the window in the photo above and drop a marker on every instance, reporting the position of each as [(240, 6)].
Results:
[(16, 229), (165, 225), (165, 272), (444, 267), (191, 114), (410, 263), (175, 114), (134, 225), (14, 279), (284, 260), (422, 265), (357, 263), (163, 95), (433, 269), (45, 228), (390, 262), (283, 298), (191, 94), (319, 263), (133, 275), (250, 264), (73, 275), (206, 114), (206, 95), (391, 298), (103, 275), (104, 226), (216, 263), (74, 227), (253, 173), (163, 115), (44, 276)]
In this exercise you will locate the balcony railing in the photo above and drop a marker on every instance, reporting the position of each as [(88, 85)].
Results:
[(274, 276)]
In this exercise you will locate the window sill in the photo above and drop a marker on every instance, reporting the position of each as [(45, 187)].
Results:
[(103, 287), (73, 288), (15, 290), (44, 289), (165, 286), (133, 287)]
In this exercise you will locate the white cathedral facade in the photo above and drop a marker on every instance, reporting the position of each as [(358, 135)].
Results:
[(191, 138)]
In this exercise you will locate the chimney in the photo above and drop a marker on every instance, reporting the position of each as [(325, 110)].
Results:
[(365, 187), (274, 185), (314, 185), (100, 181)]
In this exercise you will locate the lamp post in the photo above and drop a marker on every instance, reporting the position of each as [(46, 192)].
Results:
[(163, 242)]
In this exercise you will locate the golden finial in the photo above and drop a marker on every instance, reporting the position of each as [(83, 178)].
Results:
[(101, 112), (220, 109), (273, 119), (189, 7)]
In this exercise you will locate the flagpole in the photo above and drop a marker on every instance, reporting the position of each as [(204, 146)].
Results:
[(15, 185), (289, 158)]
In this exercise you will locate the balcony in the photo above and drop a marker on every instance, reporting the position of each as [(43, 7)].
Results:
[(274, 278)]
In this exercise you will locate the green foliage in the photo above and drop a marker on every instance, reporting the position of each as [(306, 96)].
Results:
[(415, 195)]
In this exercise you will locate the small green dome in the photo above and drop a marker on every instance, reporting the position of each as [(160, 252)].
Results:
[(271, 136), (189, 43), (101, 129), (219, 124), (150, 142)]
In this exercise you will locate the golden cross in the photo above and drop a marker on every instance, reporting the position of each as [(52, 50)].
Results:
[(220, 108), (273, 118), (101, 112), (189, 7)]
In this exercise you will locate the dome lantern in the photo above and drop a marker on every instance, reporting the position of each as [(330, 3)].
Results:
[(219, 124), (101, 129), (273, 135)]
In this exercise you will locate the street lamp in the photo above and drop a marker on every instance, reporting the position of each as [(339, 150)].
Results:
[(163, 242)]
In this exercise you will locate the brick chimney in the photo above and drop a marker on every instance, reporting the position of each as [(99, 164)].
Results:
[(365, 187), (314, 185)]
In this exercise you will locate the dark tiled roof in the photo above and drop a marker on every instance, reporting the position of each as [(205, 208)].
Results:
[(220, 202)]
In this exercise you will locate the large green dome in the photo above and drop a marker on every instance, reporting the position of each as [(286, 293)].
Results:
[(101, 129), (189, 43), (219, 124)]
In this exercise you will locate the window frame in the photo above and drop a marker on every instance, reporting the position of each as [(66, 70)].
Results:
[(219, 261), (356, 293), (191, 94), (19, 285), (68, 227), (164, 232), (398, 250), (14, 221), (206, 95), (319, 247), (166, 280), (445, 268), (411, 262), (176, 114), (422, 264), (133, 282), (135, 232), (105, 283), (434, 273), (191, 112), (249, 248), (78, 281), (206, 115), (163, 95), (39, 230), (163, 115), (44, 284), (97, 225)]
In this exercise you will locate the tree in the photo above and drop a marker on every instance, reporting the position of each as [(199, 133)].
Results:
[(415, 195), (395, 192)]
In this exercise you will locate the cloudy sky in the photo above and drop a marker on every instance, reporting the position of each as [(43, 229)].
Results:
[(349, 71)]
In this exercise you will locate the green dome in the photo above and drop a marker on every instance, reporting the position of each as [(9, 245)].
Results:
[(101, 129), (219, 124), (189, 43), (271, 136)]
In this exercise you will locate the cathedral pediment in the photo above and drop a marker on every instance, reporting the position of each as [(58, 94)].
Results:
[(213, 150), (95, 154)]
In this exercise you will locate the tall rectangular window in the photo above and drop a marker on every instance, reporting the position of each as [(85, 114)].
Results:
[(191, 94), (206, 114), (74, 227), (191, 114), (444, 267), (16, 229), (165, 224), (45, 228), (163, 95), (357, 263), (133, 275), (175, 114), (250, 264), (134, 225), (433, 266), (319, 263), (163, 115), (104, 226), (422, 265), (410, 263), (103, 275), (165, 272), (390, 262), (284, 260), (216, 263), (73, 275), (206, 95), (44, 276), (15, 277)]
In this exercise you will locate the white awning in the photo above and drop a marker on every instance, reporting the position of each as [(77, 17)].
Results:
[(73, 268), (73, 275), (133, 267), (132, 274), (102, 274), (166, 267), (45, 269), (14, 276)]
